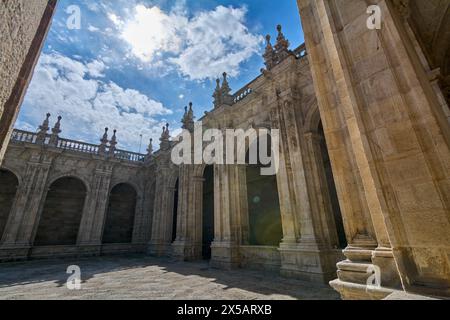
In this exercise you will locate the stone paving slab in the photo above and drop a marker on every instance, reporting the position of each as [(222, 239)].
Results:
[(145, 278)]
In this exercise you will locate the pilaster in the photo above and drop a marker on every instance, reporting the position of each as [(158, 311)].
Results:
[(24, 217), (385, 131), (166, 176), (92, 223)]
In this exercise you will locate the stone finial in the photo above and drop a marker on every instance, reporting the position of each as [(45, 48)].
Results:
[(225, 85), (165, 138), (282, 45), (113, 144), (188, 119), (55, 133), (226, 97), (149, 154), (222, 94), (269, 54), (42, 133), (150, 148), (217, 95), (104, 142)]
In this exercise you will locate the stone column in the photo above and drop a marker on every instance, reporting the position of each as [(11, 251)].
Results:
[(325, 226), (188, 244), (242, 218), (166, 176), (92, 222), (304, 250), (225, 249), (389, 148), (24, 217), (143, 222)]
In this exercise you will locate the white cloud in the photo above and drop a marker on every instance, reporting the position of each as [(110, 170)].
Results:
[(151, 31), (95, 69), (200, 47), (63, 86), (115, 19), (91, 28)]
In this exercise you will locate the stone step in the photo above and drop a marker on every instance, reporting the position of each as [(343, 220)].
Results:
[(354, 272)]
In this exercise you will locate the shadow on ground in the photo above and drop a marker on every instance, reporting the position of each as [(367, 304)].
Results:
[(142, 277)]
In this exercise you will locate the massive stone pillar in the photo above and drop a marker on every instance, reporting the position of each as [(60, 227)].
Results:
[(166, 176), (241, 200), (91, 228), (225, 248), (145, 206), (23, 28), (388, 141), (188, 243), (20, 229), (305, 252)]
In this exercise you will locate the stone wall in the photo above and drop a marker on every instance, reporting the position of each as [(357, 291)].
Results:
[(282, 98), (388, 140), (23, 28), (8, 189), (51, 218)]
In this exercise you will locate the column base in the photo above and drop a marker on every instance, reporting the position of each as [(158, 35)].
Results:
[(12, 253), (367, 274), (224, 255), (313, 265), (356, 291), (159, 249), (186, 251)]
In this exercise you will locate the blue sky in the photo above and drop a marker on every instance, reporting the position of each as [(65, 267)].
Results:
[(134, 64)]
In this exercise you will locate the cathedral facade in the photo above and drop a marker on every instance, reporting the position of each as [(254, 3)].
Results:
[(361, 197)]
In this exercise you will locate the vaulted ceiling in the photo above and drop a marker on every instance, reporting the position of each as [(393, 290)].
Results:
[(430, 20)]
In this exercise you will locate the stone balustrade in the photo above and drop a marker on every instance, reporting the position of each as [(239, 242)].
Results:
[(21, 136)]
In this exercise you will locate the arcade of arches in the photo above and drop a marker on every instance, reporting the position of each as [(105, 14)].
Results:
[(362, 183)]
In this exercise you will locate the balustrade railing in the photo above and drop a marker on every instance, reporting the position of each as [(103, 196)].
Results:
[(242, 94), (78, 146), (301, 52), (129, 156), (21, 136)]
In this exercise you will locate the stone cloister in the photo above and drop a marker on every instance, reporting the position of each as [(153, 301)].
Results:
[(361, 199), (75, 198), (69, 198)]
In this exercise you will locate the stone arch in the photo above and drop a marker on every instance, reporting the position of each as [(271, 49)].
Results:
[(248, 143), (331, 187), (82, 179), (120, 215), (14, 171), (9, 183), (134, 185), (312, 119), (62, 211), (263, 203)]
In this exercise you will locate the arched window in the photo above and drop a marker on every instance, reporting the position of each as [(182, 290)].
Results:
[(8, 188), (119, 222), (61, 216)]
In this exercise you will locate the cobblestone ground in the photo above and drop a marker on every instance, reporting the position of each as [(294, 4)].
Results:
[(148, 278)]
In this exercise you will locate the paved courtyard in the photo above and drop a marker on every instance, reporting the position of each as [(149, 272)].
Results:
[(148, 278)]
